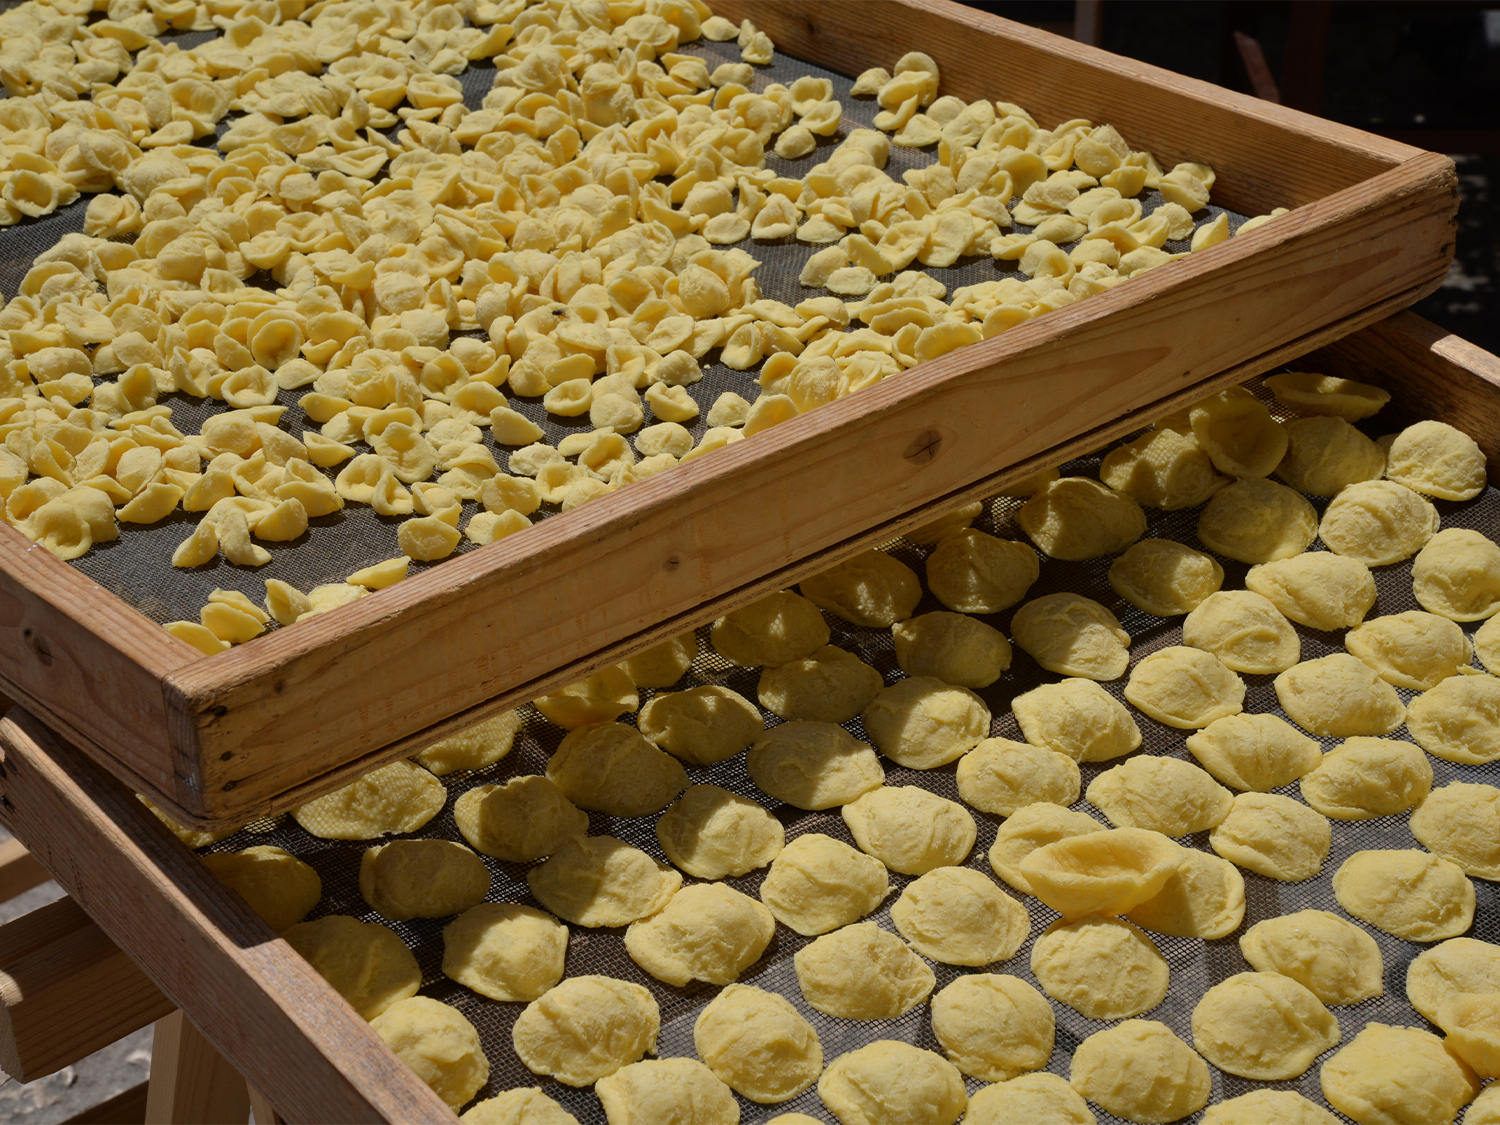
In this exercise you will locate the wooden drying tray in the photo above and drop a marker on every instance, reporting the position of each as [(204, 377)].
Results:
[(302, 710), (260, 1005)]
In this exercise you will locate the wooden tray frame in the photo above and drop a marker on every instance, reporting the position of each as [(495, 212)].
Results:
[(302, 710), (259, 1004)]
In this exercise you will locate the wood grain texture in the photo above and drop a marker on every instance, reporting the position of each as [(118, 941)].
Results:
[(1265, 155), (19, 870), (260, 1005), (79, 656), (272, 715), (191, 1083), (66, 990)]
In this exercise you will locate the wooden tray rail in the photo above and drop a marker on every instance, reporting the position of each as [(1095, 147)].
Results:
[(299, 711)]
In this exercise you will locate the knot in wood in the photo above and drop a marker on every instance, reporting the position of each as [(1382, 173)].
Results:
[(673, 562), (924, 447)]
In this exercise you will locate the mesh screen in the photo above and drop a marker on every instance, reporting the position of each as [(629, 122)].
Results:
[(137, 566), (1195, 964)]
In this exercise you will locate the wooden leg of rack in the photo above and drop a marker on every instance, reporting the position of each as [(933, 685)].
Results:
[(191, 1084), (262, 1109)]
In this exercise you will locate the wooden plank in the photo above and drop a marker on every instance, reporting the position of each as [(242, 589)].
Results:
[(75, 654), (260, 1005), (19, 870), (262, 1111), (66, 991), (191, 1084), (272, 714), (128, 1107), (1265, 156), (1455, 381)]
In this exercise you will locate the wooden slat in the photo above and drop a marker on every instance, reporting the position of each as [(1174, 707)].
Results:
[(260, 1005), (1265, 156), (1455, 381), (271, 715), (66, 991), (78, 656), (19, 871), (191, 1083), (128, 1107), (262, 1111)]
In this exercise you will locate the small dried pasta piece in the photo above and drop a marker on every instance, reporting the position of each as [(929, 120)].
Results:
[(229, 623), (285, 603), (201, 547), (199, 636), (427, 538), (671, 403)]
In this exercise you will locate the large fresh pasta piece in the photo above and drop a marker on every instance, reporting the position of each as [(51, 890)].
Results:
[(505, 951), (780, 627), (1073, 636), (586, 1028), (1457, 575), (1244, 630), (1165, 578), (1000, 776), (1273, 836), (861, 972), (971, 572), (951, 647), (958, 916), (1263, 1026), (1461, 822), (421, 879), (1239, 434), (1410, 650), (1368, 777), (818, 884), (1397, 1076), (1077, 518), (892, 1083), (472, 748), (830, 686), (1030, 828), (1254, 752), (521, 821), (708, 932), (702, 725), (993, 1026), (813, 765), (1101, 872), (910, 829), (602, 881), (1031, 1097), (655, 1090), (1378, 522), (1185, 687), (1459, 720), (1077, 718), (395, 798), (758, 1044), (1328, 955), (922, 723), (1319, 590), (1339, 696), (1164, 469), (1312, 394), (870, 589), (1407, 893), (367, 964), (710, 833), (1437, 460), (1165, 795), (612, 768), (1473, 1026), (438, 1043), (1140, 1071), (1102, 968), (1258, 521), (276, 884), (1451, 967), (1326, 454)]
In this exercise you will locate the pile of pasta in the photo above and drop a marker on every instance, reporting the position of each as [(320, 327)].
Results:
[(577, 239), (875, 911)]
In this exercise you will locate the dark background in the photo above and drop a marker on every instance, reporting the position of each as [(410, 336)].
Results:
[(1426, 72)]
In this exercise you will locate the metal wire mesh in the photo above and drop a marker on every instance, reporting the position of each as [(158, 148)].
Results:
[(1195, 965)]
